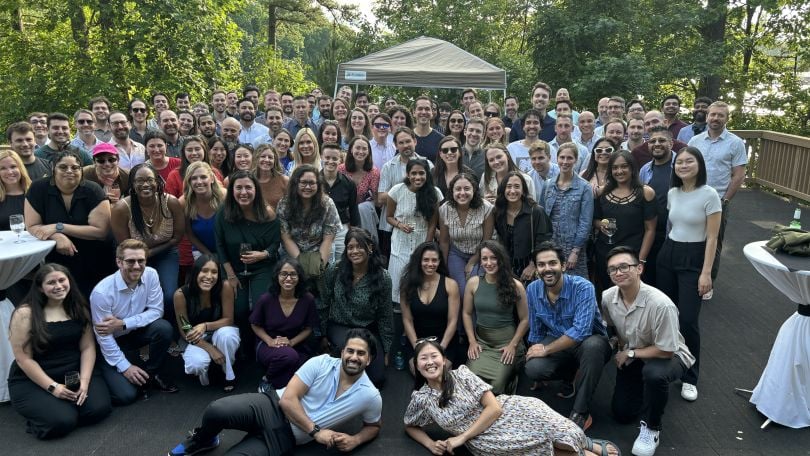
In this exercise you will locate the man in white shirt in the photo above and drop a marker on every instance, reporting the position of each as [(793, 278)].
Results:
[(130, 153), (127, 307), (252, 132)]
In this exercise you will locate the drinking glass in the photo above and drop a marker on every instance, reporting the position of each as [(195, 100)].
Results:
[(17, 224), (72, 380), (243, 249), (610, 229)]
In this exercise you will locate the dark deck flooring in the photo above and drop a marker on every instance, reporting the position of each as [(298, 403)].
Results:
[(738, 327)]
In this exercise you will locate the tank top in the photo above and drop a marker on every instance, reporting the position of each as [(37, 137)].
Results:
[(203, 228), (489, 313), (431, 319), (158, 234), (61, 355)]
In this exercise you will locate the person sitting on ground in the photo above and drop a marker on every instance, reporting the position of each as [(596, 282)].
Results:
[(324, 393), (463, 405), (205, 303), (51, 337)]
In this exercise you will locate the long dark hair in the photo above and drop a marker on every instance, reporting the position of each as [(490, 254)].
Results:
[(448, 384), (300, 288), (635, 182), (327, 123), (135, 203), (590, 171), (225, 167), (232, 211), (75, 306), (375, 263), (351, 163), (507, 291), (413, 277), (501, 205), (192, 292), (317, 208), (426, 199), (440, 169)]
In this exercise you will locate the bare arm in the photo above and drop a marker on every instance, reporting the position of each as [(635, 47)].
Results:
[(451, 287), (119, 219), (649, 227), (712, 231), (407, 318), (492, 411), (737, 179), (289, 245)]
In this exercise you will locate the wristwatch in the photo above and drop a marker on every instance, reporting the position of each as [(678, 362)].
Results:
[(631, 354), (52, 387), (60, 227), (314, 431)]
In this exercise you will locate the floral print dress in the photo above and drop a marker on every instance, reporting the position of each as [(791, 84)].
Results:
[(527, 427)]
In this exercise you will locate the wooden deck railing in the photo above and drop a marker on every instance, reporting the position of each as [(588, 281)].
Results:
[(778, 161)]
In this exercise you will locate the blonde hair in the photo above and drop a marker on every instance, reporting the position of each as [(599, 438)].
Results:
[(217, 192), (297, 158), (277, 169), (25, 180), (488, 141)]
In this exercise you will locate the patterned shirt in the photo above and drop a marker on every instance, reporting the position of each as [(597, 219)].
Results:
[(465, 237), (309, 237)]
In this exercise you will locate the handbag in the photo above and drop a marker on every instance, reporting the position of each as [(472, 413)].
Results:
[(311, 263)]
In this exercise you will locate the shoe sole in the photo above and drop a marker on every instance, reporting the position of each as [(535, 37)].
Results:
[(200, 450)]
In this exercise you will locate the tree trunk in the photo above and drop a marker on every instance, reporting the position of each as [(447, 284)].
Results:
[(272, 23), (714, 33)]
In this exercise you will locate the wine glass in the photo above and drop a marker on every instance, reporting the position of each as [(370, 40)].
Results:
[(244, 248), (73, 380), (610, 229), (17, 224)]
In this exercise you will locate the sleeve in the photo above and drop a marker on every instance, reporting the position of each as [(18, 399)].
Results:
[(37, 196), (219, 232), (385, 179), (97, 193), (308, 373), (597, 209), (713, 203), (543, 229), (665, 330), (469, 382), (585, 305), (154, 302), (585, 217), (257, 317), (375, 180), (416, 414), (536, 332), (354, 212), (739, 155), (331, 222), (312, 312), (174, 185), (101, 307), (395, 191), (373, 410), (283, 216), (385, 313)]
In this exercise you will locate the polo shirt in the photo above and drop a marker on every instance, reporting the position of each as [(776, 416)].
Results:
[(575, 314), (322, 375)]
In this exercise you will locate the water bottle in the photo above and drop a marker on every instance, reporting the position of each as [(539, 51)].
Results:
[(797, 219), (399, 361)]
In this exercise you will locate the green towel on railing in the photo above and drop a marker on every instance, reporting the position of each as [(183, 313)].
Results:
[(792, 241)]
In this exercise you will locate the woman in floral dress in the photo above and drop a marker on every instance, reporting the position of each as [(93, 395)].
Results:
[(463, 405)]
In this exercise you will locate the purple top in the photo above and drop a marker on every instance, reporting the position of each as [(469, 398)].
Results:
[(268, 314)]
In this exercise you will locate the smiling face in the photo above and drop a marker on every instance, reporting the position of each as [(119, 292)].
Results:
[(120, 126), (540, 98), (635, 129), (360, 152), (566, 159), (282, 143), (288, 278), (495, 131), (219, 102), (686, 166), (355, 357), (624, 279), (430, 363), (398, 120), (430, 262), (549, 268), (208, 276), (621, 170), (357, 252), (59, 132), (218, 154), (242, 159), (358, 122), (308, 185), (9, 172), (131, 264), (417, 177), (23, 143), (455, 123), (660, 145), (531, 126), (200, 182), (156, 149), (340, 110), (145, 183), (474, 133), (306, 147), (68, 172), (463, 192), (602, 151), (423, 112), (169, 123), (186, 121), (194, 151), (330, 159), (244, 192), (540, 162), (85, 123), (330, 134), (55, 286), (106, 165), (496, 158), (513, 191), (449, 152), (267, 160), (489, 262), (615, 132)]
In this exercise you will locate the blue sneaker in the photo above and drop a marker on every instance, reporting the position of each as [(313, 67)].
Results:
[(192, 446)]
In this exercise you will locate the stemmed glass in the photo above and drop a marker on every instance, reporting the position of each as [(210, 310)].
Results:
[(17, 224), (610, 229), (243, 249)]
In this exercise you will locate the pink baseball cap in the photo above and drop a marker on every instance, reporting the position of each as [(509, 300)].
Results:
[(104, 148)]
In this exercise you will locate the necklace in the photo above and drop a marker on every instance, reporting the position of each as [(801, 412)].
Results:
[(151, 220)]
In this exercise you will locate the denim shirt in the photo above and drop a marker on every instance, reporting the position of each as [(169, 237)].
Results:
[(576, 209)]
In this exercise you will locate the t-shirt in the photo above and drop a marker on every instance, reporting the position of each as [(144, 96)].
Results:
[(322, 375), (428, 146), (38, 169), (660, 182), (688, 212)]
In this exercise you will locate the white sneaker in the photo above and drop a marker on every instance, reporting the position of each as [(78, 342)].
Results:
[(647, 441), (689, 392), (708, 295)]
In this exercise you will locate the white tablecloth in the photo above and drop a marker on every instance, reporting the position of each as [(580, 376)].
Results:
[(16, 260), (783, 391)]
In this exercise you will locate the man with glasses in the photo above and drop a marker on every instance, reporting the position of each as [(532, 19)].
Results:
[(382, 148), (85, 123), (566, 332), (39, 121), (657, 174), (652, 352), (127, 307), (130, 153), (636, 110), (641, 154), (473, 154), (59, 140), (427, 138), (614, 110), (138, 113)]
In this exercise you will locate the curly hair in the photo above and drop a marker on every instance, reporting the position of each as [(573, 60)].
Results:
[(135, 202), (376, 266), (505, 282), (414, 277)]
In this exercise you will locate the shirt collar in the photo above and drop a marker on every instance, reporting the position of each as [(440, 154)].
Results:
[(120, 285)]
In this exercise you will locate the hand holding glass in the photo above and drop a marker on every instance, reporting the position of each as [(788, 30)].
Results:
[(610, 228), (17, 224)]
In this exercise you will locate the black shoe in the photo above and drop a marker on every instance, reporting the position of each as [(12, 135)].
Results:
[(584, 421), (192, 446), (163, 384)]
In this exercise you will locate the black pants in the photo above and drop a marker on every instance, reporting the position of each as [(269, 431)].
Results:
[(642, 388), (720, 236), (268, 431), (678, 270), (589, 356)]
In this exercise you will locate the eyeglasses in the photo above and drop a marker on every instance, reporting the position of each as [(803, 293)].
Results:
[(382, 126), (119, 122), (307, 183), (658, 140), (38, 122), (623, 268), (287, 275), (141, 110), (426, 339), (461, 121), (449, 150), (66, 168), (148, 180), (490, 114), (133, 262), (102, 161), (603, 150), (84, 121)]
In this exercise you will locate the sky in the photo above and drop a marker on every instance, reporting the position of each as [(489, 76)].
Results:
[(363, 5)]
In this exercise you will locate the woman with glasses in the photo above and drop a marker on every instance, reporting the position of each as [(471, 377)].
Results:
[(283, 142), (359, 167), (156, 147), (283, 321), (105, 172), (569, 205), (76, 214), (685, 260), (627, 207), (247, 233), (202, 198), (456, 123), (492, 110), (597, 171), (450, 163), (206, 303)]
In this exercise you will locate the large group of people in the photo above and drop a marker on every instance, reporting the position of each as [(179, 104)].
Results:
[(473, 245)]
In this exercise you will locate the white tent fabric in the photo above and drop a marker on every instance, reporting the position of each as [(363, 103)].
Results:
[(422, 62)]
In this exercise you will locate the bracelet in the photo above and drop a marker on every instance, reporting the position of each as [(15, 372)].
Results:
[(642, 261), (205, 326)]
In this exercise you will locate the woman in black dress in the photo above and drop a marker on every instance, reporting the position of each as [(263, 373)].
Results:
[(51, 336)]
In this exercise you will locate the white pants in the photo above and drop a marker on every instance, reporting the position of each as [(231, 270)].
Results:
[(339, 245), (226, 340)]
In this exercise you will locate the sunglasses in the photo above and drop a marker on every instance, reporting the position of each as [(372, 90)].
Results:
[(426, 339), (84, 122), (141, 110), (603, 150), (382, 126), (461, 121), (449, 150), (102, 161), (491, 114)]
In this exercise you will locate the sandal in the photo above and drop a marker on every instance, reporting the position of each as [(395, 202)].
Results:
[(230, 385), (589, 444)]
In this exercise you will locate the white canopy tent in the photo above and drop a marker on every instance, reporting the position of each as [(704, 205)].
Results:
[(422, 62)]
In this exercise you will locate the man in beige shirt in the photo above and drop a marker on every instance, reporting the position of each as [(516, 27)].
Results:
[(652, 350)]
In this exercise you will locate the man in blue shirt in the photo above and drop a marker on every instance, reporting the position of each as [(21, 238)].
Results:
[(324, 393), (566, 331)]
